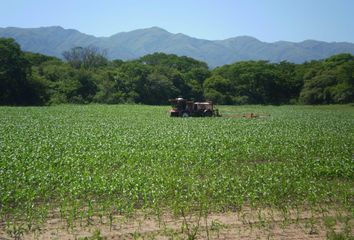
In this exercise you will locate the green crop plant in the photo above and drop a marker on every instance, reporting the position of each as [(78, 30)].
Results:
[(97, 160)]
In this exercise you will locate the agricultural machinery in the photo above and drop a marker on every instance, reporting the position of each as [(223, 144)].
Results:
[(184, 108)]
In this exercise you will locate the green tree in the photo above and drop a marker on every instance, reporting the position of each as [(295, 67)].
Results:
[(14, 73), (218, 89), (183, 64), (186, 74), (36, 59), (85, 57), (157, 89), (330, 81)]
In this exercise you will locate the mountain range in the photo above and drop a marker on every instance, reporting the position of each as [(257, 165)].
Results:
[(134, 44)]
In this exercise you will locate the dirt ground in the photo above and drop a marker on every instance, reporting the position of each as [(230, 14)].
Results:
[(247, 224)]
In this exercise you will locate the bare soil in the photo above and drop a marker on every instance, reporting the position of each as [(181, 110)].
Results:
[(247, 224)]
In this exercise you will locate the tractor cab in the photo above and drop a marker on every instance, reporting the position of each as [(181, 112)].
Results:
[(184, 108)]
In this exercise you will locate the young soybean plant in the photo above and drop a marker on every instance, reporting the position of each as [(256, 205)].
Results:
[(126, 158)]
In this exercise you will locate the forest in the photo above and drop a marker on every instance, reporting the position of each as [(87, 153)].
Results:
[(85, 76)]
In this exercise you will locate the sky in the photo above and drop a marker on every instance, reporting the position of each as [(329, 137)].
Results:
[(267, 20)]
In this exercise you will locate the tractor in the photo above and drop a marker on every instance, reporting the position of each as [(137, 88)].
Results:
[(184, 108)]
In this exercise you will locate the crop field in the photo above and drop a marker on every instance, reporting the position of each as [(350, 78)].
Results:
[(83, 163)]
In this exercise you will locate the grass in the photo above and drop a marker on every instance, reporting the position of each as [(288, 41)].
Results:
[(101, 160)]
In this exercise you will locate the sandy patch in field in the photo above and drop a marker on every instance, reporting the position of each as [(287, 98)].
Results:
[(247, 224)]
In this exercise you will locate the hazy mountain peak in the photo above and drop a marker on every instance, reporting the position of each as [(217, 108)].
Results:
[(155, 28), (54, 40), (244, 38), (52, 27)]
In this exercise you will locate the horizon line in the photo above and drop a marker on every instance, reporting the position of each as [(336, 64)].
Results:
[(162, 29)]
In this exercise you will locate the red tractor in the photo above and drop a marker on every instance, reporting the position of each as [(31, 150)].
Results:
[(184, 108)]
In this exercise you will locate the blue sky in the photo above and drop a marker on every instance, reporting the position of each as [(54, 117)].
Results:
[(267, 20)]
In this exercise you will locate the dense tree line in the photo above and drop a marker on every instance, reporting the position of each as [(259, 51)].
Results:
[(86, 76)]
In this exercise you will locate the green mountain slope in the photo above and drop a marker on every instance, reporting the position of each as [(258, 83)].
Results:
[(129, 45)]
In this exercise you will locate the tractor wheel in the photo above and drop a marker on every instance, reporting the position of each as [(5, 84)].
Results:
[(185, 114), (208, 113)]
